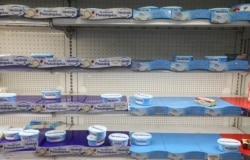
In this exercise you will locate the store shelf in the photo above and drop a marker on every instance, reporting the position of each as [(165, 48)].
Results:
[(158, 23), (19, 21)]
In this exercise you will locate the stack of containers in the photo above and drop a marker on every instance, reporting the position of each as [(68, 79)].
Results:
[(97, 135)]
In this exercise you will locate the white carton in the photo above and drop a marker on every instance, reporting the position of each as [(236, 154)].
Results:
[(51, 12), (96, 13)]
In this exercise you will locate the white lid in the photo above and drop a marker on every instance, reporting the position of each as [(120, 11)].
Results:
[(13, 130), (174, 7), (216, 9), (142, 95), (6, 95), (111, 95), (91, 137), (141, 135), (148, 7), (41, 54), (51, 90), (97, 129), (229, 142), (29, 132), (55, 133), (118, 137)]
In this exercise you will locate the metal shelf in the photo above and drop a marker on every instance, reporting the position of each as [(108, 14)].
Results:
[(17, 21), (158, 23)]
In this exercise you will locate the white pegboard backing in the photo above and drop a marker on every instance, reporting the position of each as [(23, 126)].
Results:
[(36, 3), (28, 83), (23, 119), (147, 44), (24, 41), (156, 83), (186, 4), (155, 120)]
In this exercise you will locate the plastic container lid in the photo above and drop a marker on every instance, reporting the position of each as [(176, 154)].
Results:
[(55, 133), (91, 137), (13, 131), (143, 96), (111, 95), (216, 9), (42, 55), (141, 135), (229, 142), (97, 129), (118, 137), (29, 132), (6, 95)]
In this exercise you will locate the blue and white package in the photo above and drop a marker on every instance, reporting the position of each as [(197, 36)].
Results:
[(151, 12), (183, 58), (29, 135), (216, 59), (98, 131), (118, 139), (220, 15), (43, 12), (55, 135), (7, 97), (217, 63), (93, 141), (228, 144), (240, 12), (175, 11), (109, 13), (143, 99), (12, 133), (51, 94), (111, 97), (179, 66), (192, 14), (141, 138), (12, 10), (151, 65)]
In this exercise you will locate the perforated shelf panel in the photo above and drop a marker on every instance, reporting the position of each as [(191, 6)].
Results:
[(155, 44), (24, 41), (186, 4), (36, 3), (156, 83)]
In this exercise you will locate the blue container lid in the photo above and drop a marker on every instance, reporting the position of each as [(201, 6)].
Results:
[(42, 55)]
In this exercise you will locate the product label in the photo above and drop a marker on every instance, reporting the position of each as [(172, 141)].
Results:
[(73, 61), (74, 106), (7, 107), (26, 106), (7, 61), (94, 13), (104, 107), (21, 60), (53, 62), (55, 107), (18, 145), (16, 10), (51, 12), (120, 106), (4, 11)]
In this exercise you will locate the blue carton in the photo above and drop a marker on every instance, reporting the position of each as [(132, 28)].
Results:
[(183, 106), (194, 146), (191, 14), (150, 65), (240, 12), (151, 12)]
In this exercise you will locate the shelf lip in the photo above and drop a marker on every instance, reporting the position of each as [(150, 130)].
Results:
[(16, 21), (78, 22)]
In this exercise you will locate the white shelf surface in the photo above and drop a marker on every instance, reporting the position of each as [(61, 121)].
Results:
[(16, 21), (158, 23), (166, 128)]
